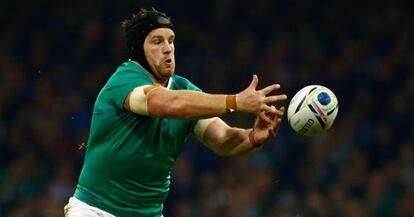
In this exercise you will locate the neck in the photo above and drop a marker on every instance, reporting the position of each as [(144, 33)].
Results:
[(162, 83), (155, 79)]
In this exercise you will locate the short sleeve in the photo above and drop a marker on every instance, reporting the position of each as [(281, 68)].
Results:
[(182, 83), (121, 83), (191, 86)]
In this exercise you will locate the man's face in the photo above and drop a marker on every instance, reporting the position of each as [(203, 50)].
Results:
[(159, 51)]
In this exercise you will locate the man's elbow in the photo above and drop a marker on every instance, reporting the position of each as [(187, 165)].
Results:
[(229, 151), (223, 152), (229, 154)]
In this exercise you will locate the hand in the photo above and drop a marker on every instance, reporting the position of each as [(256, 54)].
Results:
[(254, 101), (267, 125)]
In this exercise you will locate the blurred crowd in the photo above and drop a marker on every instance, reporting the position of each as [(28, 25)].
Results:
[(56, 55)]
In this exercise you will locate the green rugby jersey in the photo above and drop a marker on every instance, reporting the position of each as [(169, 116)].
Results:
[(129, 157)]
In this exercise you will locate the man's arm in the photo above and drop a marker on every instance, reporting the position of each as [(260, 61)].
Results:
[(230, 141), (225, 140), (187, 104)]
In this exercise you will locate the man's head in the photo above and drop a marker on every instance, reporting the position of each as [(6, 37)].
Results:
[(150, 40)]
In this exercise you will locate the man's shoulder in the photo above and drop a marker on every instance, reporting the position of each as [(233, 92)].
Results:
[(183, 83), (130, 67), (129, 71), (180, 79)]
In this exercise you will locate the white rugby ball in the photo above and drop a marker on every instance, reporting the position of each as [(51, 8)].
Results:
[(312, 110)]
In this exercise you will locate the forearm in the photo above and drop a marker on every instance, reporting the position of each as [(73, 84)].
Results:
[(233, 142), (185, 104)]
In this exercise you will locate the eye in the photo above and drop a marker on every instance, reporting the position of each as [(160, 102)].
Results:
[(171, 40)]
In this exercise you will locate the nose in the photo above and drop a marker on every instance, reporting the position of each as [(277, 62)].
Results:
[(167, 48)]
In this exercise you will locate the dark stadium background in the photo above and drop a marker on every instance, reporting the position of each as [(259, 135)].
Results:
[(56, 55)]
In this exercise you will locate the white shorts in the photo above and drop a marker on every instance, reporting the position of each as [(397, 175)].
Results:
[(77, 208)]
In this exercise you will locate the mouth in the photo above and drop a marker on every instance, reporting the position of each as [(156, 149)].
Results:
[(168, 61)]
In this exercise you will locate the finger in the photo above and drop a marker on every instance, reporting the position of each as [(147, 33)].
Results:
[(272, 115), (265, 118), (272, 133), (270, 88), (275, 99), (269, 110), (254, 82), (281, 111), (277, 113), (276, 125), (278, 122)]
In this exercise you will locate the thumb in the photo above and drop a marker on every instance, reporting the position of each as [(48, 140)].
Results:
[(254, 82)]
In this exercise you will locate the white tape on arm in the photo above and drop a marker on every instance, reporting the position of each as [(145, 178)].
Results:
[(201, 127), (138, 100)]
